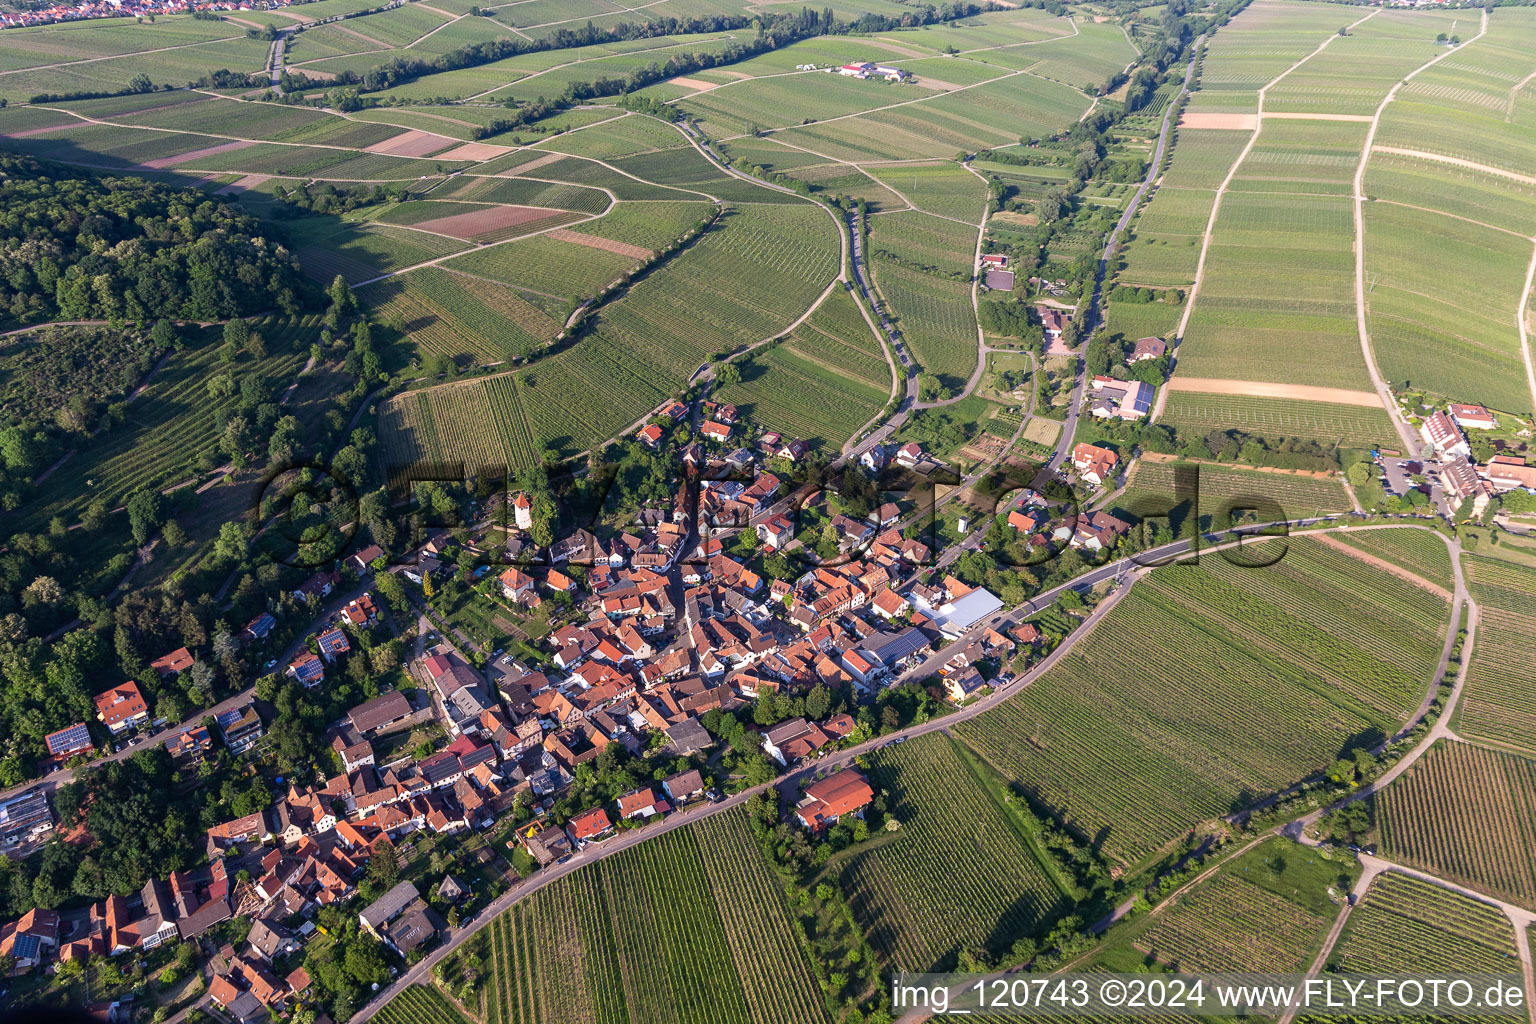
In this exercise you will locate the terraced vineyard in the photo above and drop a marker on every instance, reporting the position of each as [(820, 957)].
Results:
[(689, 927), (1499, 705), (1278, 670), (959, 873), (1468, 814)]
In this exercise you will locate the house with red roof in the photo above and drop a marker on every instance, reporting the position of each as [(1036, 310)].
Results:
[(122, 707), (834, 797), (589, 827)]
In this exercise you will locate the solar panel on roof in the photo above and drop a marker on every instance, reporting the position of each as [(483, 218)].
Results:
[(73, 738)]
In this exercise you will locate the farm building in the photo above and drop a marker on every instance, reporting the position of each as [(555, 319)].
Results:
[(1127, 399), (1473, 417), (1507, 472), (1445, 436)]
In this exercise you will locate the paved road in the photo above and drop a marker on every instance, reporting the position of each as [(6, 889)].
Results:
[(454, 937), (50, 783)]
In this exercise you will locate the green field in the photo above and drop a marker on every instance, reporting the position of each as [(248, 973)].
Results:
[(958, 873), (1278, 670), (464, 318), (1467, 814), (1351, 426), (170, 424), (821, 384), (1156, 488), (1407, 924), (689, 927), (1499, 705), (418, 1004), (935, 317), (1267, 911), (746, 279)]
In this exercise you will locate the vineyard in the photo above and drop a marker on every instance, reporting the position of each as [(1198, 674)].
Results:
[(458, 316), (796, 390), (1277, 671), (1230, 924), (1405, 924), (921, 240), (1222, 489), (170, 424), (1499, 705), (1351, 426), (935, 318), (1421, 552), (419, 1004), (1467, 814), (946, 189), (686, 927), (959, 873)]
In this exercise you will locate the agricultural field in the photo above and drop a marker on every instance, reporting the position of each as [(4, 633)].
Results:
[(935, 317), (420, 1003), (995, 113), (102, 56), (1267, 911), (821, 384), (926, 893), (921, 241), (1467, 814), (1279, 670), (1157, 488), (750, 276), (1419, 551), (1351, 426), (467, 319), (690, 927), (1498, 705), (1407, 924), (327, 246), (945, 189), (1459, 341), (1279, 275)]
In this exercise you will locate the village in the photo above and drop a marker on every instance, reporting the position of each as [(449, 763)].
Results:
[(128, 9), (670, 665)]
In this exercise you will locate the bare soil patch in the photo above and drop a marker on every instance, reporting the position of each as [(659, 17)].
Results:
[(27, 133), (533, 165), (1215, 119), (411, 142), (474, 151), (244, 184), (1267, 389), (697, 84), (606, 244), (477, 223)]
